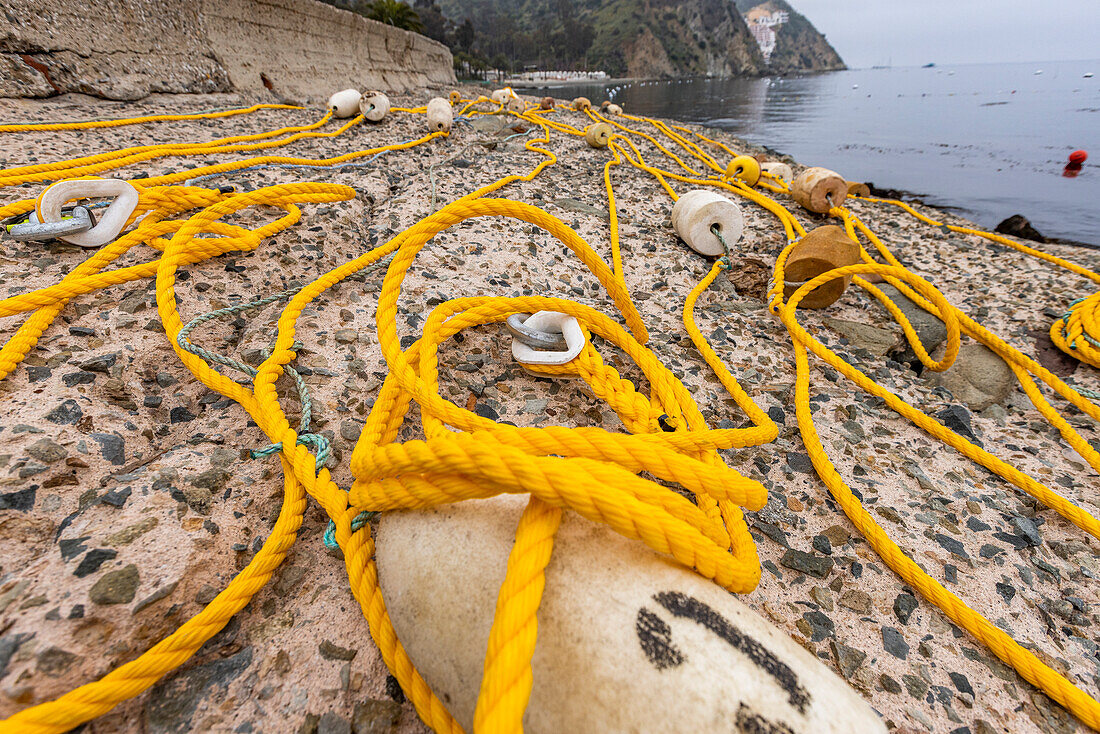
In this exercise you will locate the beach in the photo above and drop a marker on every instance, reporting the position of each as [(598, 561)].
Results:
[(131, 498)]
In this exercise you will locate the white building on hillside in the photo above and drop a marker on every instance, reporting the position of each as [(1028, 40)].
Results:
[(763, 24)]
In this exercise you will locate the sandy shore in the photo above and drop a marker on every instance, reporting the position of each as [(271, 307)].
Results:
[(116, 463)]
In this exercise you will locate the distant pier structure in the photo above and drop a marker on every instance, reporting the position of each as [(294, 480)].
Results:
[(762, 24)]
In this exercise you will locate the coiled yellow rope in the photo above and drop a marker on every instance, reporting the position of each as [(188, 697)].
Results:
[(591, 471), (1078, 332), (957, 323), (98, 124)]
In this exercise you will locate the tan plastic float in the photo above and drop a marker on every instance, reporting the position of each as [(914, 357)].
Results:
[(582, 103), (628, 640), (856, 188), (440, 115), (821, 250), (745, 168), (517, 105), (374, 106), (819, 189), (697, 211), (613, 110), (778, 170), (547, 103), (345, 103), (455, 97), (598, 134)]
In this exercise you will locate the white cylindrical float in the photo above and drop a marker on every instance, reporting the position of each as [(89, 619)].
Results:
[(345, 103), (374, 106), (440, 115), (697, 211), (501, 96), (628, 640), (778, 170), (819, 189)]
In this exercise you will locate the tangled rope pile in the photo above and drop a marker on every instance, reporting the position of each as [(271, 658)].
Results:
[(592, 471)]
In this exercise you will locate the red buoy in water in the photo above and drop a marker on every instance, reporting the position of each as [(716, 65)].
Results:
[(1078, 157)]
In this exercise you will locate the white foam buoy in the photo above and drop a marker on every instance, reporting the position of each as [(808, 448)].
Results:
[(697, 211), (778, 170), (818, 189), (614, 109), (345, 103), (374, 106), (440, 114), (501, 96), (628, 640)]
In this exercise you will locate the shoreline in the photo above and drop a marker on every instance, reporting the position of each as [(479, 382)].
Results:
[(176, 501)]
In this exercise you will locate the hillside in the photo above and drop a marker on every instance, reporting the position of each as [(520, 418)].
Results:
[(799, 46), (637, 38)]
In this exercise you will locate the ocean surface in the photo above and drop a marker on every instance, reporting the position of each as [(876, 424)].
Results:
[(989, 140)]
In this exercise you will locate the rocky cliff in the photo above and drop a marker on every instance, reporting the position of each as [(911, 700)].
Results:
[(664, 38), (640, 38), (300, 50)]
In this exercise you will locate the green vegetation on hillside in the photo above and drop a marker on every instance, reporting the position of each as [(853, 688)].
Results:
[(642, 38)]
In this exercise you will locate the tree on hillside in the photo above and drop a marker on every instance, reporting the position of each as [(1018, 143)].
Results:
[(436, 26), (395, 13), (465, 35)]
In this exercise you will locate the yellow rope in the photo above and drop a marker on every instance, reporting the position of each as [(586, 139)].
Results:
[(1078, 332), (927, 297), (591, 471), (96, 124)]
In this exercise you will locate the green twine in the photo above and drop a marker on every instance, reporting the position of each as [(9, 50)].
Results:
[(356, 523), (1086, 337), (318, 443)]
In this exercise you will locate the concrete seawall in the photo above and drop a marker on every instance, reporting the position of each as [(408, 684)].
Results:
[(300, 50)]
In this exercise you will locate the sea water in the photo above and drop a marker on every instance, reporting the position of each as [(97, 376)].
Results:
[(989, 140)]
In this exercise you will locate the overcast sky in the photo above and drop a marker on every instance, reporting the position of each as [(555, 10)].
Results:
[(913, 32)]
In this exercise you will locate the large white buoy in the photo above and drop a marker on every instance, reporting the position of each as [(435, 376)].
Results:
[(345, 103), (628, 640), (374, 106), (697, 211), (440, 114)]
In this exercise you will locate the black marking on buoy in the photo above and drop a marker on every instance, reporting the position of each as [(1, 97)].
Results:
[(682, 605), (655, 637), (750, 722)]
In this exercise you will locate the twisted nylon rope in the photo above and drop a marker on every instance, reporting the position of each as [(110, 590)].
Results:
[(957, 323), (36, 127), (1077, 333), (591, 471), (183, 248)]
